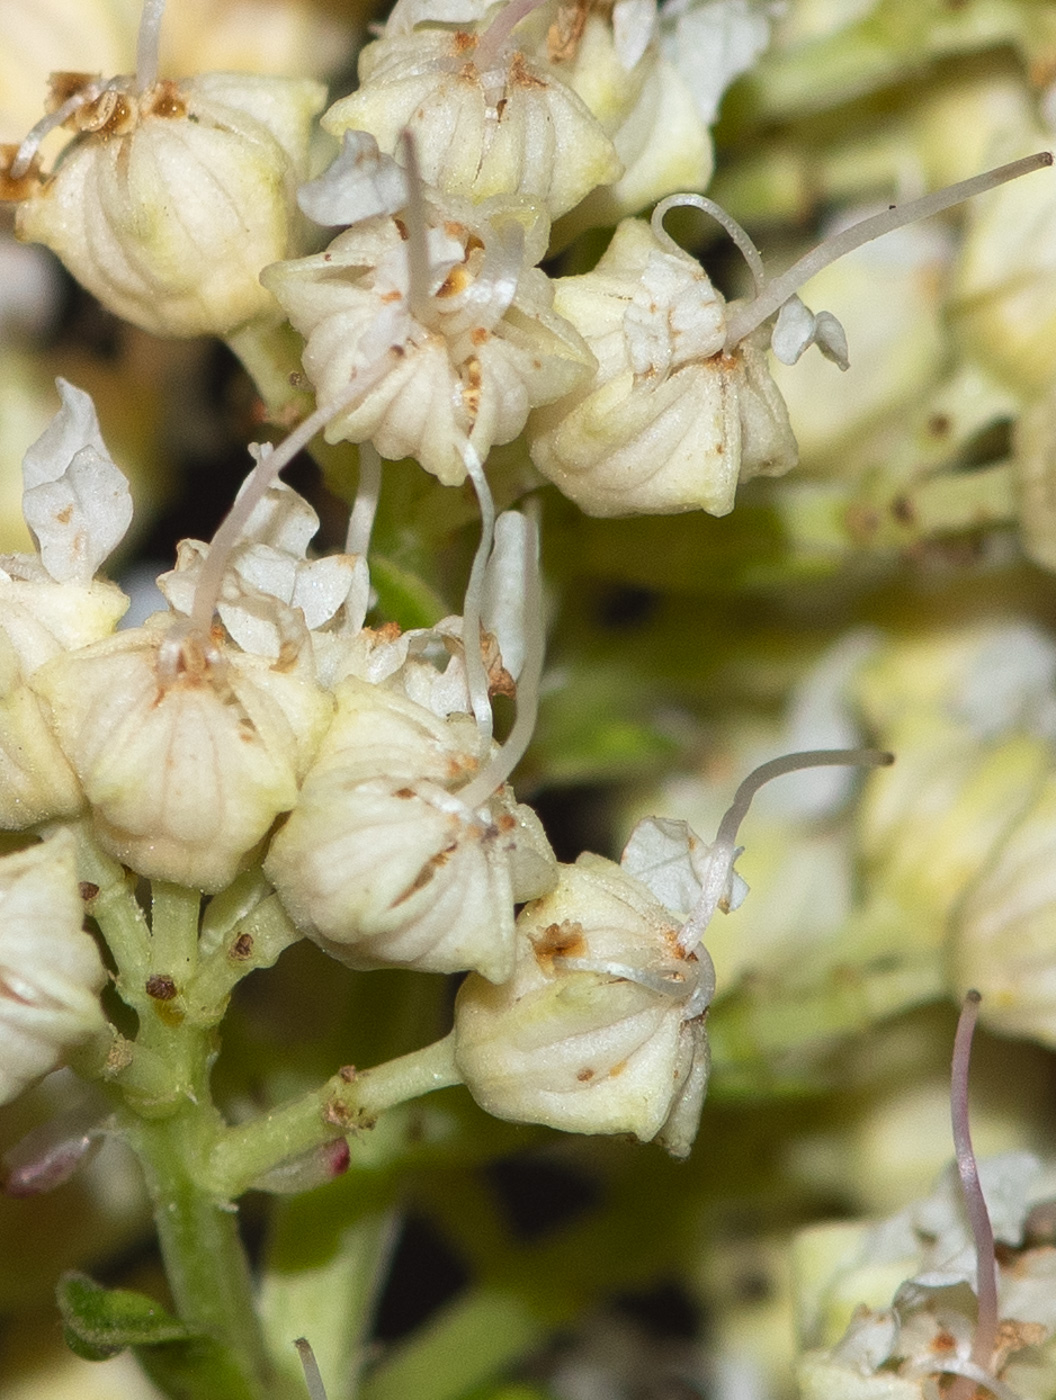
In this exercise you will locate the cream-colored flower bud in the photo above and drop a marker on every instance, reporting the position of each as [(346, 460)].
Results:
[(186, 754), (466, 360), (36, 781), (1004, 936), (672, 421), (50, 969), (931, 822), (487, 118), (225, 150), (382, 864), (600, 1029)]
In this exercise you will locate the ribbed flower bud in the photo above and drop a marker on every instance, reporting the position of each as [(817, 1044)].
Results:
[(488, 117), (186, 753), (600, 1029), (672, 421), (467, 358), (50, 969), (382, 864), (224, 150)]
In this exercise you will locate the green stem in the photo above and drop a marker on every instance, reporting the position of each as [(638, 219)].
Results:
[(117, 912), (174, 932), (347, 1101), (255, 941), (205, 1264)]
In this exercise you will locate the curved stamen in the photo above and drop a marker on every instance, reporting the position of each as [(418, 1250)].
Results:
[(32, 142), (361, 519), (987, 1315), (491, 42), (476, 676), (716, 867), (148, 44), (740, 236), (312, 1379), (494, 773), (748, 316)]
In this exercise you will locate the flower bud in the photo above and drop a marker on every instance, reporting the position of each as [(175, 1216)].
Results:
[(50, 970), (226, 150), (591, 1033), (485, 121), (186, 754), (469, 358), (671, 421), (381, 863)]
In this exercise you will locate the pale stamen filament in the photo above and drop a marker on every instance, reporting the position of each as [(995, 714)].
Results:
[(361, 519), (987, 1314), (148, 45), (32, 142), (748, 316), (717, 865), (740, 236)]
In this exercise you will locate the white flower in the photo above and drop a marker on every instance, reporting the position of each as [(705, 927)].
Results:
[(224, 150), (600, 1029), (186, 753), (487, 118), (50, 969), (269, 579), (382, 864), (466, 360), (672, 421)]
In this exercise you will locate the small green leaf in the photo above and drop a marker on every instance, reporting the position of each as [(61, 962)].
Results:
[(100, 1322)]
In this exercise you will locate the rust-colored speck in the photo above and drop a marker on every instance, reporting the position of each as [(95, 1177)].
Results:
[(939, 425), (88, 891), (521, 76), (11, 191), (401, 229), (464, 43), (348, 1073), (387, 298), (404, 792), (161, 987), (457, 280), (563, 940), (164, 100), (944, 1342), (478, 335), (584, 1075), (242, 947)]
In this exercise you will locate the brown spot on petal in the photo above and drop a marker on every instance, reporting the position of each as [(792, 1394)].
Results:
[(584, 1075), (64, 516), (479, 335), (164, 100), (457, 280), (563, 940), (464, 43), (520, 74), (242, 947), (428, 870), (943, 1342)]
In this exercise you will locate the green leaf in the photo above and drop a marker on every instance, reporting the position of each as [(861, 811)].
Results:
[(100, 1322)]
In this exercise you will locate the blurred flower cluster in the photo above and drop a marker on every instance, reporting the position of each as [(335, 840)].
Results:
[(584, 497)]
